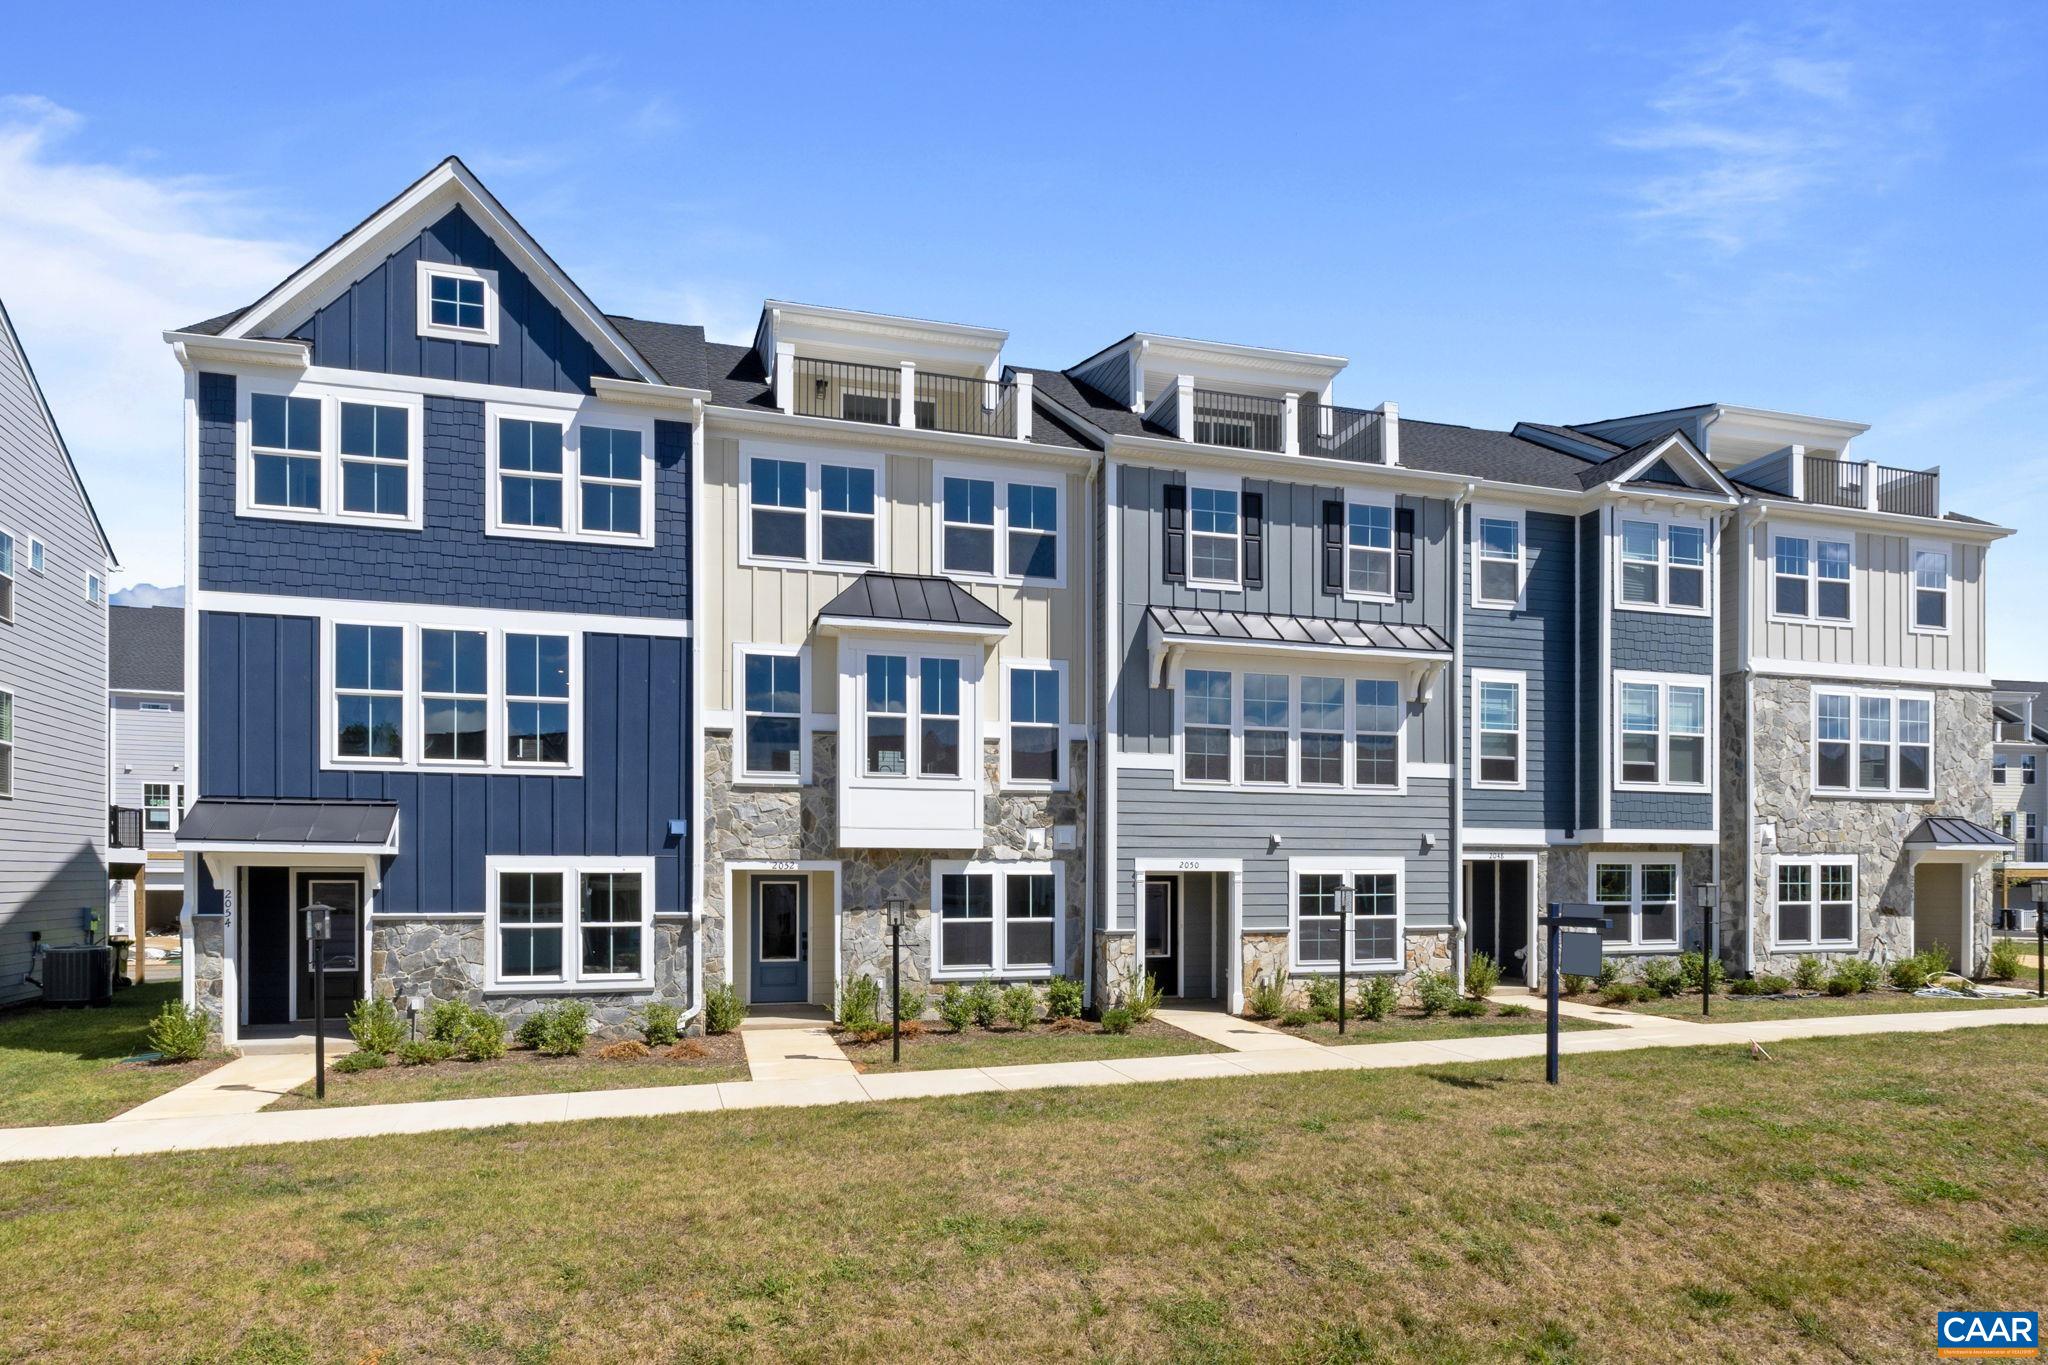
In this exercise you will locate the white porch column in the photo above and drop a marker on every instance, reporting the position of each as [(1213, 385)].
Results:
[(1184, 410), (1024, 406), (785, 378), (907, 415)]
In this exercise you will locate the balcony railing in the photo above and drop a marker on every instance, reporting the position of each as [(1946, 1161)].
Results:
[(1913, 492), (1242, 421), (972, 407), (124, 827), (853, 392), (1872, 487), (1343, 433), (1835, 483)]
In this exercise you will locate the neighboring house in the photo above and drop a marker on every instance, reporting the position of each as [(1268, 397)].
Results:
[(438, 629), (54, 561), (2019, 796), (146, 736)]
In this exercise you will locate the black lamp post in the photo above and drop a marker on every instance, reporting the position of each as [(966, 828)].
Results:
[(1345, 896), (897, 908), (2041, 939), (1707, 894), (319, 927)]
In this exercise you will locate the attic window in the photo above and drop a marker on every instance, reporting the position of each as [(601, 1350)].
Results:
[(457, 303)]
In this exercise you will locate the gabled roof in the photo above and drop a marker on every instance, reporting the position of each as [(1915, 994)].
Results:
[(56, 435), (146, 649), (1643, 462)]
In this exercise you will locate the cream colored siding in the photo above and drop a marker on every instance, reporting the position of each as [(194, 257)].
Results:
[(777, 606), (1880, 634), (824, 945)]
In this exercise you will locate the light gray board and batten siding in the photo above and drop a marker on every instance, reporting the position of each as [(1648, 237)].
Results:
[(1292, 587), (149, 746), (1536, 639), (53, 658)]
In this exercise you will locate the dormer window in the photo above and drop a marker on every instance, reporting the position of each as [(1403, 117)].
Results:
[(457, 303)]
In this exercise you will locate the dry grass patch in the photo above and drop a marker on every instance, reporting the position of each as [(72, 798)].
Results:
[(612, 1066), (1660, 1205)]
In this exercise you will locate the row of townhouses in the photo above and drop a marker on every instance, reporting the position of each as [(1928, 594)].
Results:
[(570, 653)]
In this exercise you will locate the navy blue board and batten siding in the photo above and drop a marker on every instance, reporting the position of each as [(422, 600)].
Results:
[(1536, 639)]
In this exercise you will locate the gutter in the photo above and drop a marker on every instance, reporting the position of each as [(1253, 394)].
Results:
[(1460, 934)]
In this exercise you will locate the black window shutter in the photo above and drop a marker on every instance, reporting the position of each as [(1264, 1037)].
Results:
[(1175, 496), (1333, 546), (1404, 553), (1255, 540)]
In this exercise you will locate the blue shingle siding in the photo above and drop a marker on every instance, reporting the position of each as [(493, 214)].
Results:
[(259, 736), (374, 324), (1661, 642), (1538, 641), (1591, 680), (451, 559)]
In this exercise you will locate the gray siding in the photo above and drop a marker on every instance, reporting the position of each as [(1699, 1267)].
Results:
[(53, 658), (1110, 376), (149, 746), (1538, 641), (1661, 642), (1662, 810)]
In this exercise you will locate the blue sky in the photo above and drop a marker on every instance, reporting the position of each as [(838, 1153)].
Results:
[(1497, 211)]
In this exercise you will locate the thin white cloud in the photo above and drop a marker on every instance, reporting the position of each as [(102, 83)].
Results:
[(96, 261)]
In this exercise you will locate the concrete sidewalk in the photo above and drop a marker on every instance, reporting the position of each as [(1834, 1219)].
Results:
[(242, 1086), (132, 1137), (1227, 1030), (804, 1053)]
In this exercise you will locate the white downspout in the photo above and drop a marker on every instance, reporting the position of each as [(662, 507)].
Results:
[(1460, 938)]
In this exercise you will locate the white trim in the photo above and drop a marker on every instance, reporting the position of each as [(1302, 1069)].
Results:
[(1297, 868), (1665, 564), (37, 555), (1856, 674), (7, 578), (1855, 790), (486, 335), (1222, 483), (1812, 538), (95, 589), (742, 776), (999, 874), (1062, 778), (407, 613), (1814, 943), (1438, 772), (1486, 836), (1636, 862), (813, 458), (1519, 516), (1390, 503), (1152, 866), (1665, 683), (1520, 681), (1001, 476), (570, 479), (330, 396), (573, 868), (1294, 673), (870, 625), (1688, 838), (1947, 551)]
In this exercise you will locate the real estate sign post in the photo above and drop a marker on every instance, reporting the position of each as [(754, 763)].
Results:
[(1570, 954)]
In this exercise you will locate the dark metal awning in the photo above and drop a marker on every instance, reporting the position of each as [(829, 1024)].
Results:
[(219, 824), (1951, 833), (908, 603), (1169, 629)]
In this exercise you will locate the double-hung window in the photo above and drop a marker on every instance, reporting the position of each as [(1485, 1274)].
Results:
[(1320, 932), (846, 514), (1005, 528), (284, 452), (161, 802), (537, 700), (968, 526), (609, 461), (1810, 577), (2027, 769), (6, 744), (530, 926), (1662, 732), (1033, 737), (569, 922), (1497, 572), (1032, 514), (1873, 743), (772, 720), (1638, 900), (888, 715), (530, 473), (1376, 727), (938, 705), (1930, 589), (95, 589), (1265, 728), (1369, 549), (376, 449), (1498, 724), (908, 715), (1322, 732), (1663, 565), (1214, 534), (454, 696), (997, 920), (1998, 770), (809, 511), (1815, 905), (6, 577), (614, 929), (1205, 725), (778, 515), (1247, 728), (35, 555), (369, 692)]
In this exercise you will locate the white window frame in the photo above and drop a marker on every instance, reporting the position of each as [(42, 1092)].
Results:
[(494, 663), (573, 979), (36, 556), (330, 397), (1239, 668), (7, 575), (487, 335), (1854, 791), (1518, 517), (1347, 868), (1665, 523), (571, 421), (173, 800), (1947, 552), (1636, 862), (812, 458), (1520, 680), (495, 625), (1217, 483), (609, 419), (1814, 943), (1664, 682), (95, 589), (1390, 505), (9, 738), (330, 697), (1002, 476), (853, 727), (1812, 539), (1998, 766), (742, 775), (1061, 777), (2029, 770), (999, 874)]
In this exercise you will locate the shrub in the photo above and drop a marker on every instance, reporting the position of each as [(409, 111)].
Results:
[(1117, 1019), (1809, 973), (2005, 960), (423, 1052), (563, 1030), (860, 1004), (1435, 992), (1376, 999), (985, 1002), (1936, 958), (625, 1050), (1865, 974), (1749, 985), (358, 1061), (1482, 974), (1322, 997), (1575, 985), (1610, 972), (483, 1039), (1774, 985), (375, 1025), (723, 1008), (662, 1023), (1267, 999), (909, 1005), (178, 1034), (1661, 976), (1514, 1011), (1297, 1019), (1909, 973), (1624, 993), (1841, 983), (1019, 1006), (1466, 1007), (527, 1035), (1141, 994), (446, 1019), (955, 1008), (1690, 965), (1063, 998)]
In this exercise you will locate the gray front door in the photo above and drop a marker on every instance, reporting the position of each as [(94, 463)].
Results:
[(780, 940)]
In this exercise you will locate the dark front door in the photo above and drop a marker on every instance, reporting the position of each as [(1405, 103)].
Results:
[(342, 894), (1498, 910), (267, 940), (1161, 933), (781, 940)]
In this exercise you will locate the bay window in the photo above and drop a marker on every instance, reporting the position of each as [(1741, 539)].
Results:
[(997, 919), (1815, 904), (1637, 897), (938, 703), (888, 715), (910, 715), (1871, 742), (1661, 731), (1320, 933), (558, 923)]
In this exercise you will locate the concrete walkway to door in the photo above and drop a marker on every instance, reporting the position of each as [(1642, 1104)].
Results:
[(245, 1085), (1227, 1030), (793, 1047)]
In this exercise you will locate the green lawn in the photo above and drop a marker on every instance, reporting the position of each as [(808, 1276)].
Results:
[(523, 1073), (1660, 1205), (938, 1048), (1412, 1026), (1749, 1009), (65, 1066)]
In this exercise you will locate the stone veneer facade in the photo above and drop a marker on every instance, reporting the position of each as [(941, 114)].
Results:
[(1564, 880), (443, 959), (1790, 820), (800, 824), (209, 964), (1262, 955)]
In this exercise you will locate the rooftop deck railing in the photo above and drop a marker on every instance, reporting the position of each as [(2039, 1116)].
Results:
[(1242, 421), (1872, 487), (971, 407), (1343, 433)]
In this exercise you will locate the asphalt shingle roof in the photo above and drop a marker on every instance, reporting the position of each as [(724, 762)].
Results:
[(146, 649)]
